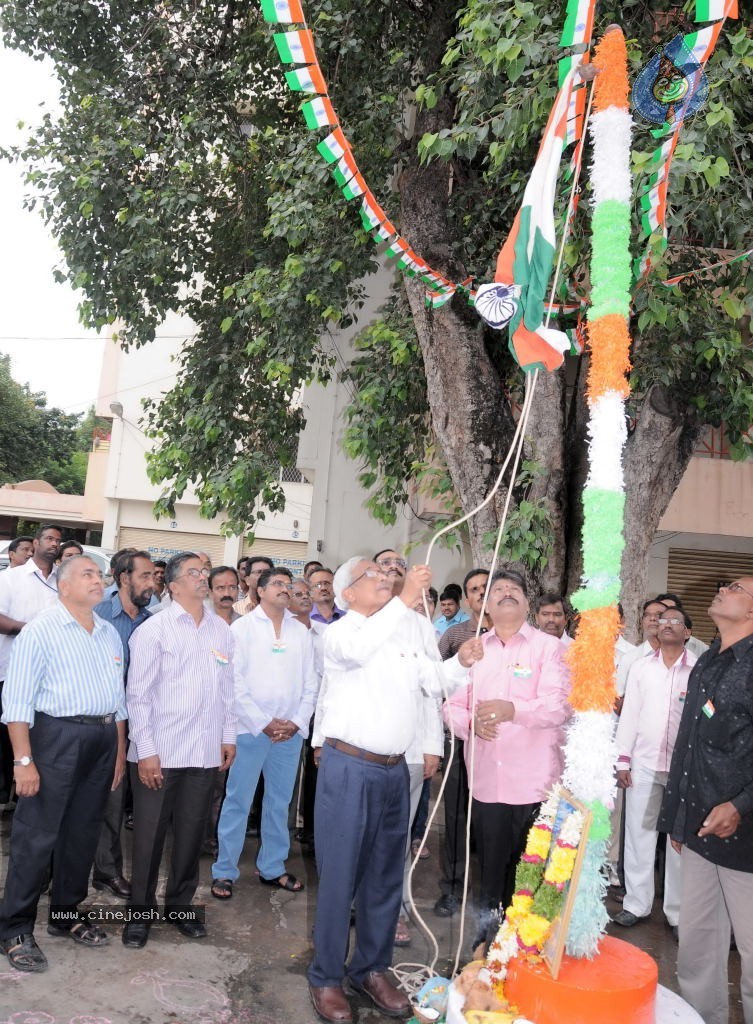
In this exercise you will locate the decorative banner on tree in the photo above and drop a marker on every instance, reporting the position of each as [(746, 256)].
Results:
[(576, 32), (679, 70)]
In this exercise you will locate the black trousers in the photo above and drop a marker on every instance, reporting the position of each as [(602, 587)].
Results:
[(183, 805), (500, 831), (108, 859), (6, 757), (76, 764), (455, 801)]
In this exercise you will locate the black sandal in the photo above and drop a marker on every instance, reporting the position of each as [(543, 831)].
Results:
[(291, 883), (24, 954), (84, 932), (222, 888)]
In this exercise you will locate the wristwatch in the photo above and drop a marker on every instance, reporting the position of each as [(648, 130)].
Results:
[(24, 761)]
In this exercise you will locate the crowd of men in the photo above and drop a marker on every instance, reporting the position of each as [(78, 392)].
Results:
[(164, 701)]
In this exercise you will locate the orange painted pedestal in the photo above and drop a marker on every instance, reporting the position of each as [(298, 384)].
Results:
[(617, 987)]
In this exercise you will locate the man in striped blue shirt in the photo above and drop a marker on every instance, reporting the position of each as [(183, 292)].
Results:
[(65, 710)]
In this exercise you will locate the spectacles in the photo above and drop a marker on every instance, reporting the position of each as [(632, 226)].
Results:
[(322, 585), (370, 574), (399, 563), (736, 588), (196, 573), (301, 593), (671, 622)]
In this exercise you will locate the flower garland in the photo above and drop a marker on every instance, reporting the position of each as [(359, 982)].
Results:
[(589, 751), (541, 882)]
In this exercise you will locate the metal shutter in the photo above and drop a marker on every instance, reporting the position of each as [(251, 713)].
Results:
[(165, 543), (696, 575), (290, 553)]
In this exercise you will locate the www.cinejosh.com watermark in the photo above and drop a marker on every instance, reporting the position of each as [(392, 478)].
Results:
[(101, 913)]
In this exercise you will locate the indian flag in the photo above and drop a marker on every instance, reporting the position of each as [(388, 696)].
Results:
[(346, 168), (700, 45), (319, 113), (333, 147), (384, 232), (283, 12), (396, 249), (579, 22), (528, 254), (371, 213), (355, 187), (295, 47), (306, 80), (714, 10), (435, 300)]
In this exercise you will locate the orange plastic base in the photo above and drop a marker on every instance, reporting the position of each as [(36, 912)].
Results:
[(617, 987)]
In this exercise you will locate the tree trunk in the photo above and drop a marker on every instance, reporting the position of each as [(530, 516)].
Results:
[(656, 456)]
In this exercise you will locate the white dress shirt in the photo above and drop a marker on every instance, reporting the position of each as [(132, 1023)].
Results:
[(376, 669), (180, 689), (274, 678), (24, 593), (654, 699)]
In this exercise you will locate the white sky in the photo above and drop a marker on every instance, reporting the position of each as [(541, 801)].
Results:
[(39, 327)]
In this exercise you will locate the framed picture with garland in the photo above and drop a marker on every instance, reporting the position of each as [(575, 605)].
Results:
[(554, 947)]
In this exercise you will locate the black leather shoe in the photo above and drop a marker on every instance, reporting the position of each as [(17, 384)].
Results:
[(446, 905), (118, 886), (135, 934), (191, 927)]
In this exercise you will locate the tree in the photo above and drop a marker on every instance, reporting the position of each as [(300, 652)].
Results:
[(178, 176), (37, 442)]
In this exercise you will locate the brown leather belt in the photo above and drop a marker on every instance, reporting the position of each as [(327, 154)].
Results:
[(365, 755)]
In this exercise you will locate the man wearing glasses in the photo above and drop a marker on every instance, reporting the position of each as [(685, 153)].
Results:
[(646, 734), (375, 665), (708, 811), (275, 694), (182, 725), (325, 609)]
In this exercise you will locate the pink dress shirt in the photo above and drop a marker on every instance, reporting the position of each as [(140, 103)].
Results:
[(525, 759)]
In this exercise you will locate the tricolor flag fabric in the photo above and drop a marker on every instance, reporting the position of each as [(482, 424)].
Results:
[(345, 169), (714, 10), (295, 47), (334, 147), (308, 79), (385, 232), (283, 12), (372, 214), (577, 31), (319, 113), (528, 254), (355, 186)]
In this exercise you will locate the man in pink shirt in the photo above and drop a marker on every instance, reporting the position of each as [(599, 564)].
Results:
[(646, 734), (514, 710)]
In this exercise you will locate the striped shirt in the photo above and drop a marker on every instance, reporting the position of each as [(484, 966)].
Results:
[(59, 668), (24, 593), (180, 689)]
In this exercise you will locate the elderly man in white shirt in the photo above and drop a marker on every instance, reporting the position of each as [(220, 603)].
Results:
[(275, 693), (374, 666), (645, 739)]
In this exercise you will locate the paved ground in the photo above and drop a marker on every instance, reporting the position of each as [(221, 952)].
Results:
[(251, 968)]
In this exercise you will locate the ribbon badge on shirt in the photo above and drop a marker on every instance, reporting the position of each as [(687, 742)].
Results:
[(521, 671), (221, 659), (118, 660), (279, 647), (708, 709)]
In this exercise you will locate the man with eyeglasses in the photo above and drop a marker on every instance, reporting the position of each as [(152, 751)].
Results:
[(126, 609), (375, 665), (325, 610), (707, 811), (182, 725), (275, 694), (646, 735)]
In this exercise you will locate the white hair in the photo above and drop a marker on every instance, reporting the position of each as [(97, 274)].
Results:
[(344, 577)]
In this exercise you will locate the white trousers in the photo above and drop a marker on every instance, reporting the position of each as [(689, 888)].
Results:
[(642, 806), (714, 901)]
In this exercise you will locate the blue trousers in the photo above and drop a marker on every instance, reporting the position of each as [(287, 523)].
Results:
[(279, 764), (360, 829)]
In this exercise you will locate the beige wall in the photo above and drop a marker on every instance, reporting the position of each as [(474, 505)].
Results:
[(714, 497)]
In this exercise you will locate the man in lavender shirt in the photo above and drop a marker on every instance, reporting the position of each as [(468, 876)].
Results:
[(182, 726), (511, 717)]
